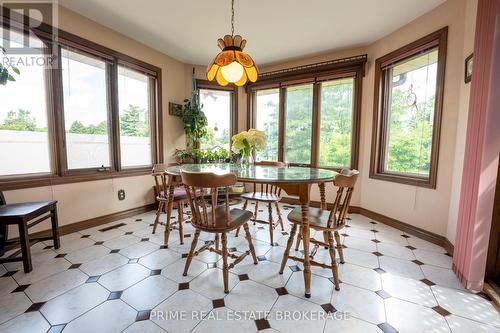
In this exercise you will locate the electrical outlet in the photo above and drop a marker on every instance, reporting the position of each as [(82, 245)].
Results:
[(121, 194)]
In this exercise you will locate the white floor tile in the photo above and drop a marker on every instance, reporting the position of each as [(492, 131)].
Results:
[(150, 292), (124, 277), (55, 285), (210, 283), (30, 322), (360, 303), (289, 314), (104, 264), (251, 296), (408, 290), (12, 305), (174, 271)]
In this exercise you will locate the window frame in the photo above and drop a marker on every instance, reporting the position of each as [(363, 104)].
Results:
[(381, 110), (212, 85), (351, 67), (60, 174)]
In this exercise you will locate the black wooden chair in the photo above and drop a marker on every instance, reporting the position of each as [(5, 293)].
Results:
[(25, 215)]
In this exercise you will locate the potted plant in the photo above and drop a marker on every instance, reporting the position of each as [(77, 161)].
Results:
[(194, 120)]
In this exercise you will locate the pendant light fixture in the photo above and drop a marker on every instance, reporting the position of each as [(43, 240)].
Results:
[(232, 65)]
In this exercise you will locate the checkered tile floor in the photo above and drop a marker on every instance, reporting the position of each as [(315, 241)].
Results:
[(120, 278)]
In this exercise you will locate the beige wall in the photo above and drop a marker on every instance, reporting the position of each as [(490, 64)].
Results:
[(81, 201)]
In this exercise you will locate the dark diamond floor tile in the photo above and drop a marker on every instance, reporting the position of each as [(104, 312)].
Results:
[(281, 291), (99, 243), (74, 266), (333, 281), (410, 247), (187, 235), (378, 254), (379, 270), (262, 324), (93, 279), (375, 241), (85, 236), (417, 262), (345, 235), (218, 303), (114, 251), (447, 254), (442, 311), (9, 273), (56, 328), (143, 315), (133, 261), (387, 328), (163, 247), (261, 258), (155, 272), (61, 255), (49, 247), (243, 277), (329, 308), (405, 236), (111, 227), (212, 265), (35, 307), (284, 233), (428, 282), (129, 233), (184, 285), (144, 239), (382, 293), (21, 288), (115, 295), (294, 268), (184, 255), (138, 220), (232, 249), (260, 228)]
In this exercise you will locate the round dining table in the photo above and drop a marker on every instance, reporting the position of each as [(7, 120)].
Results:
[(294, 180)]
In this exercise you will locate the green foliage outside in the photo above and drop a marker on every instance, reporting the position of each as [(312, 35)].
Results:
[(134, 121), (211, 140), (298, 124)]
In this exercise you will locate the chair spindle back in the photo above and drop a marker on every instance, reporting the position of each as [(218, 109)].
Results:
[(345, 182), (269, 188), (202, 187)]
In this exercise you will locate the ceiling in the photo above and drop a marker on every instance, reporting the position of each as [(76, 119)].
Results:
[(187, 30)]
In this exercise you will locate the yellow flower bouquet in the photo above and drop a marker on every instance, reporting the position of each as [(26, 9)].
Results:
[(247, 142)]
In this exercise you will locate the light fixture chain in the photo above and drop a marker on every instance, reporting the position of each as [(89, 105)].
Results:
[(232, 17)]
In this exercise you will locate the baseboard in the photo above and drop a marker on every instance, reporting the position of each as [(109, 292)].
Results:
[(406, 227), (95, 221)]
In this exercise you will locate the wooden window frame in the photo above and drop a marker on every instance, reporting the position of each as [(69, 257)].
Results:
[(212, 85), (55, 111), (380, 110), (351, 67)]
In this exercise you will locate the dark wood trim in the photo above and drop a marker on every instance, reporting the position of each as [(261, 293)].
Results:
[(314, 74), (96, 221), (405, 227), (55, 111), (492, 272), (213, 85), (380, 113)]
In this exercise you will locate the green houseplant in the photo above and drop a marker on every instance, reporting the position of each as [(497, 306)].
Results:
[(194, 120)]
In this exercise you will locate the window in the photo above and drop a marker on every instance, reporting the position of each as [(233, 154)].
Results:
[(217, 108), (311, 113), (135, 128), (267, 115), (24, 134), (409, 95), (77, 111), (336, 121), (298, 124), (85, 111)]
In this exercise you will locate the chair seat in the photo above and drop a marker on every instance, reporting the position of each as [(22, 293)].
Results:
[(179, 194), (261, 196), (317, 218), (238, 218), (24, 209)]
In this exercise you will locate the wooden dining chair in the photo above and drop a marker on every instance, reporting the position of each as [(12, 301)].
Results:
[(267, 194), (329, 222), (169, 192), (208, 216)]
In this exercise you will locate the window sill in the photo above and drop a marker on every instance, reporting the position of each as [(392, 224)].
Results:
[(407, 180), (23, 182)]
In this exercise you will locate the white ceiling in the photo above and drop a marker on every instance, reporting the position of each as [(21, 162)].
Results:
[(275, 29)]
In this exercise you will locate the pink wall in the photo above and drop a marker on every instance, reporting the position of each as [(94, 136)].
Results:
[(482, 151)]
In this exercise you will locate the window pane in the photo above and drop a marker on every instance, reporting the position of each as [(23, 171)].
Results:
[(267, 114), (336, 122), (217, 108), (298, 124), (85, 110), (411, 114), (24, 141), (134, 97)]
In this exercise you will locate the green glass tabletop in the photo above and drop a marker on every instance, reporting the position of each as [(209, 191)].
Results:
[(260, 173)]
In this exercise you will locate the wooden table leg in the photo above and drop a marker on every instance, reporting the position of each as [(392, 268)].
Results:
[(55, 227), (170, 205), (25, 246), (304, 191)]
